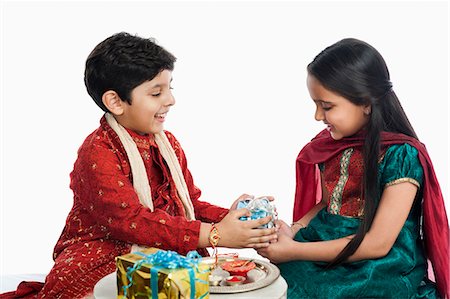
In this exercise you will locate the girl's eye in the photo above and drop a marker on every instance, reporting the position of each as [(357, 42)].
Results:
[(325, 106), (156, 94)]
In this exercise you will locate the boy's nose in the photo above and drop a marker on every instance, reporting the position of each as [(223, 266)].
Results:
[(170, 100)]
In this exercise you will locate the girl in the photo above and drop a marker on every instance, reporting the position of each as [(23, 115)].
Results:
[(380, 201)]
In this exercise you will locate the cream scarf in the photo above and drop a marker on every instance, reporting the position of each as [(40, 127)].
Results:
[(140, 180)]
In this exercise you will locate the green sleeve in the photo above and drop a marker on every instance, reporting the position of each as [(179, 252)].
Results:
[(399, 164)]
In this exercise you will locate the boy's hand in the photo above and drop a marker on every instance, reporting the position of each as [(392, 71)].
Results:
[(244, 234), (247, 196), (242, 197)]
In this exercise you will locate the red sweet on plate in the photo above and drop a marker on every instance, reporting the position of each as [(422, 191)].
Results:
[(238, 267), (235, 280)]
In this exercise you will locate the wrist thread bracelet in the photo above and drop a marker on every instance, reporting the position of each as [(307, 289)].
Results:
[(214, 238), (298, 223)]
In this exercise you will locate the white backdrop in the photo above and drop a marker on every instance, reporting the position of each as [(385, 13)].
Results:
[(243, 111)]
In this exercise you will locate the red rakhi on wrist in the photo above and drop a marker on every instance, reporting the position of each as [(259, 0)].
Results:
[(214, 238)]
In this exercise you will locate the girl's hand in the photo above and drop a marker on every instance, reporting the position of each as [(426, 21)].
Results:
[(284, 228), (278, 252), (244, 234)]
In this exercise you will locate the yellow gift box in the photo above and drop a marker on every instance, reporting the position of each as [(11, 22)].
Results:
[(174, 276)]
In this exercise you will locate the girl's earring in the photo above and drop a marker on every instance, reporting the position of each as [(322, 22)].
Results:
[(367, 110)]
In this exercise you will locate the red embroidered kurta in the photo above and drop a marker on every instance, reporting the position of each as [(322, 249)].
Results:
[(342, 179), (107, 218)]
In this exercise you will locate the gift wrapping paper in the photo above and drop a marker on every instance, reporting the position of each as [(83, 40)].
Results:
[(174, 276)]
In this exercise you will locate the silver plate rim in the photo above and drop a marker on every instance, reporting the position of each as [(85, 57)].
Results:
[(272, 274)]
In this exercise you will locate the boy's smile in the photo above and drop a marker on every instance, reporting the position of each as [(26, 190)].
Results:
[(150, 104), (161, 116)]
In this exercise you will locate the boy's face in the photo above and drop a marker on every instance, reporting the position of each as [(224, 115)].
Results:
[(150, 103)]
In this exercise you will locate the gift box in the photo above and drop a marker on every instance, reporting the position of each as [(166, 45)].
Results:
[(259, 208), (154, 273)]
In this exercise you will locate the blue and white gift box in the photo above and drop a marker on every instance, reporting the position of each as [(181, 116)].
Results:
[(259, 207)]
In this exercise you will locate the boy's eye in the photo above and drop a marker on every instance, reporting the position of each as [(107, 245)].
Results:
[(158, 93)]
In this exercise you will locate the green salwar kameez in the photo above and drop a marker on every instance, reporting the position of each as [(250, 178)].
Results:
[(401, 273)]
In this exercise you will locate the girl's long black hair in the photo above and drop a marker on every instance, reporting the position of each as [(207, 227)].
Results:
[(358, 72)]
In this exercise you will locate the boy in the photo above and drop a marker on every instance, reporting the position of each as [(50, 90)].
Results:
[(130, 182)]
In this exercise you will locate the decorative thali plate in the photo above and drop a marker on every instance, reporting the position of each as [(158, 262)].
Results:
[(262, 275)]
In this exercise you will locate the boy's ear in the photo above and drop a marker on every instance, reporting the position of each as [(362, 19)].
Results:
[(113, 102)]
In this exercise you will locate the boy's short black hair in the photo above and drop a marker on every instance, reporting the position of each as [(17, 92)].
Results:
[(121, 62)]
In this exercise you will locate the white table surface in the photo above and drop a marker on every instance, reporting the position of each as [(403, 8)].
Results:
[(106, 288)]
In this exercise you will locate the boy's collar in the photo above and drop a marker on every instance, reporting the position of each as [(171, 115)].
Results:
[(142, 141)]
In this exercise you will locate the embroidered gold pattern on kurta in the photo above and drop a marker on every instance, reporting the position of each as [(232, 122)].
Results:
[(145, 155), (141, 142), (402, 180), (336, 195)]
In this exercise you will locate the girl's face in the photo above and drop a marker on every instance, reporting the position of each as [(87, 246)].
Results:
[(342, 117), (150, 103)]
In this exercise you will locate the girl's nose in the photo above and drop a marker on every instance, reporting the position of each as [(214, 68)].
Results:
[(319, 115)]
